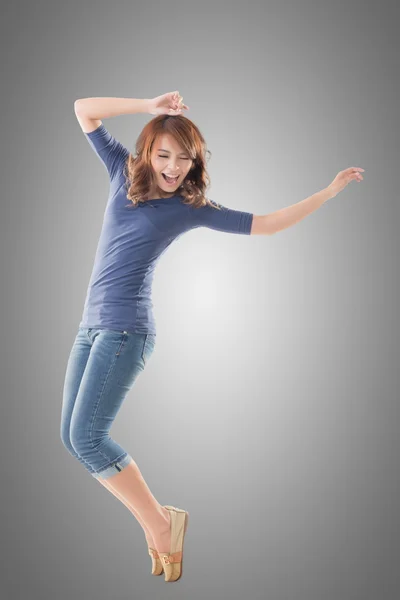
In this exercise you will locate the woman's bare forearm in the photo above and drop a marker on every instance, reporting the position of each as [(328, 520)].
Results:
[(102, 108), (284, 218)]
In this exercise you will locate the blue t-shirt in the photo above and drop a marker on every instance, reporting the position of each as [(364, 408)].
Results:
[(132, 239)]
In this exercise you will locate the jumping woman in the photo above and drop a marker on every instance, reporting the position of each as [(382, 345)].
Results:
[(155, 197)]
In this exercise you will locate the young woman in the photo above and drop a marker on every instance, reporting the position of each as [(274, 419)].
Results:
[(154, 198)]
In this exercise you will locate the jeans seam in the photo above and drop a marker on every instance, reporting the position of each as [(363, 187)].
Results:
[(97, 407), (144, 348)]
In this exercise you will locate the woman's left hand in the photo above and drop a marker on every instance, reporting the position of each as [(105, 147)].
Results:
[(343, 178)]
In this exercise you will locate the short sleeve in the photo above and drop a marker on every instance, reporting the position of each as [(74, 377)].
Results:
[(226, 219), (110, 151)]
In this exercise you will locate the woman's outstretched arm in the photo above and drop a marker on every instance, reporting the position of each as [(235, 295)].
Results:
[(284, 218)]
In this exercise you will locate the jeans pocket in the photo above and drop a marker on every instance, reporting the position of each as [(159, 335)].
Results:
[(148, 347), (124, 337)]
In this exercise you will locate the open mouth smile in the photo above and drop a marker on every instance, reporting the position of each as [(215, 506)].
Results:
[(170, 180)]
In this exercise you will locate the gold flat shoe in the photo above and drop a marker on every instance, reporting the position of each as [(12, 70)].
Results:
[(172, 561), (157, 568)]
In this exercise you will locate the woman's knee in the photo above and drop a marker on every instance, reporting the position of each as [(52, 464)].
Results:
[(73, 439), (66, 441), (64, 434), (81, 440)]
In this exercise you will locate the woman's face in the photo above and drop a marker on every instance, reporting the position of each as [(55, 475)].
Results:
[(169, 158)]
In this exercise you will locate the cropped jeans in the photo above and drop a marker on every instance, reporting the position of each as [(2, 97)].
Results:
[(102, 367)]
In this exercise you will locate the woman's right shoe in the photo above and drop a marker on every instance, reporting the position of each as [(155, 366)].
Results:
[(172, 561)]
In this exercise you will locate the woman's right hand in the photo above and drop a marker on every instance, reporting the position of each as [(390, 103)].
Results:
[(167, 104), (343, 178)]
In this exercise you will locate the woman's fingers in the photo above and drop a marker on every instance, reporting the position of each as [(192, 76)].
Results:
[(179, 108), (179, 102), (355, 173), (353, 170)]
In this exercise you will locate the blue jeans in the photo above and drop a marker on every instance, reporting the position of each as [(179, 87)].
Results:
[(102, 367)]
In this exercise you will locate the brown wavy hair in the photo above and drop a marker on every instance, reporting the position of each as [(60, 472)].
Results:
[(140, 178)]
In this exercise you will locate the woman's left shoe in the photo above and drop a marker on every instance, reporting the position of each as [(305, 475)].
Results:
[(172, 561), (157, 568)]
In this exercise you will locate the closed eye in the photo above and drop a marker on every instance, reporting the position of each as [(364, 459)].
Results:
[(163, 156)]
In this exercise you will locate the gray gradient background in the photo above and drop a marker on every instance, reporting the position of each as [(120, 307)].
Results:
[(270, 408)]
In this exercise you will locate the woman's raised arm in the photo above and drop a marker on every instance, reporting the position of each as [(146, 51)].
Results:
[(103, 108)]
